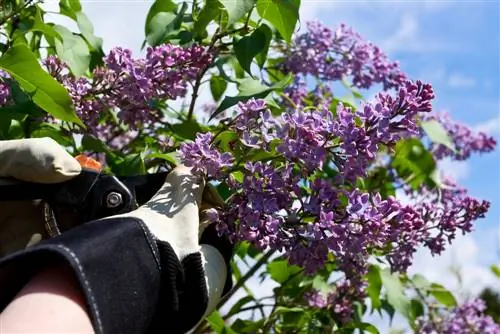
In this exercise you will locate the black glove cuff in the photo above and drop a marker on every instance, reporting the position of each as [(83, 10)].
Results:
[(131, 282)]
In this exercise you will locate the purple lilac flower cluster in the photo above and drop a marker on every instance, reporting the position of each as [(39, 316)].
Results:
[(466, 141), (446, 213), (203, 158), (339, 301), (4, 90), (464, 319), (332, 55), (384, 121), (129, 86), (260, 210)]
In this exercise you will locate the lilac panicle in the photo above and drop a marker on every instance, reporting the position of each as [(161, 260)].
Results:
[(131, 87), (331, 55), (464, 319)]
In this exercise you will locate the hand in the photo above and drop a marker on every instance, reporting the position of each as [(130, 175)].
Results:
[(176, 214), (39, 160)]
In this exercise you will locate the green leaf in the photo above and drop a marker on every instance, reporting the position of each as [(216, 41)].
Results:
[(363, 326), (420, 282), (132, 165), (496, 270), (218, 86), (262, 56), (281, 271), (247, 326), (395, 292), (217, 323), (163, 23), (237, 9), (87, 31), (73, 50), (249, 88), (414, 163), (187, 129), (53, 131), (159, 6), (211, 10), (282, 14), (45, 91), (319, 283), (169, 157), (438, 134), (283, 309), (374, 286), (442, 295), (417, 309), (248, 47), (278, 270), (41, 26), (93, 144), (70, 7)]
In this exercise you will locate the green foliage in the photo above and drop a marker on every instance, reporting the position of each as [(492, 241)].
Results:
[(237, 9), (437, 133), (163, 21), (248, 47), (414, 164), (283, 15), (73, 50), (249, 88), (395, 292), (45, 91), (217, 86)]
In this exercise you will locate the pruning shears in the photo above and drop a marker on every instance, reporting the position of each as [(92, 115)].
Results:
[(90, 195)]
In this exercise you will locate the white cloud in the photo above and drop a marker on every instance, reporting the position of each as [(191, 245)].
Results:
[(457, 80), (464, 256), (408, 37), (458, 170), (491, 126)]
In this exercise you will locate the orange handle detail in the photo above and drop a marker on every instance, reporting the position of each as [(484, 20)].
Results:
[(88, 163)]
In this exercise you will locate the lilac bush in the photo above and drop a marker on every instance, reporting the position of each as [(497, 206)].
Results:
[(303, 173)]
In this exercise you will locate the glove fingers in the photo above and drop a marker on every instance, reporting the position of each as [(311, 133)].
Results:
[(40, 160)]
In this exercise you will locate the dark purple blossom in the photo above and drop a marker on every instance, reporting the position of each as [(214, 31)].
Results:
[(4, 90)]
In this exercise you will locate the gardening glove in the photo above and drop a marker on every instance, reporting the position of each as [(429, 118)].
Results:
[(39, 160), (160, 265)]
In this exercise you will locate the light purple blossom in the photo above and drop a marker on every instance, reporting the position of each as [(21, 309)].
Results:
[(203, 157), (332, 55)]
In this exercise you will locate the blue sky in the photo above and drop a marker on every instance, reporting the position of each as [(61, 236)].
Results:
[(454, 45)]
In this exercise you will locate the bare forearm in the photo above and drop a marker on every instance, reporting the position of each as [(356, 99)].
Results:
[(54, 303)]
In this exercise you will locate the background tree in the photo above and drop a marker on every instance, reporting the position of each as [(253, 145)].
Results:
[(309, 178)]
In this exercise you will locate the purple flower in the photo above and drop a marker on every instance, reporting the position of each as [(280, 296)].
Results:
[(466, 318), (465, 140), (132, 89), (203, 157), (4, 90), (331, 55)]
